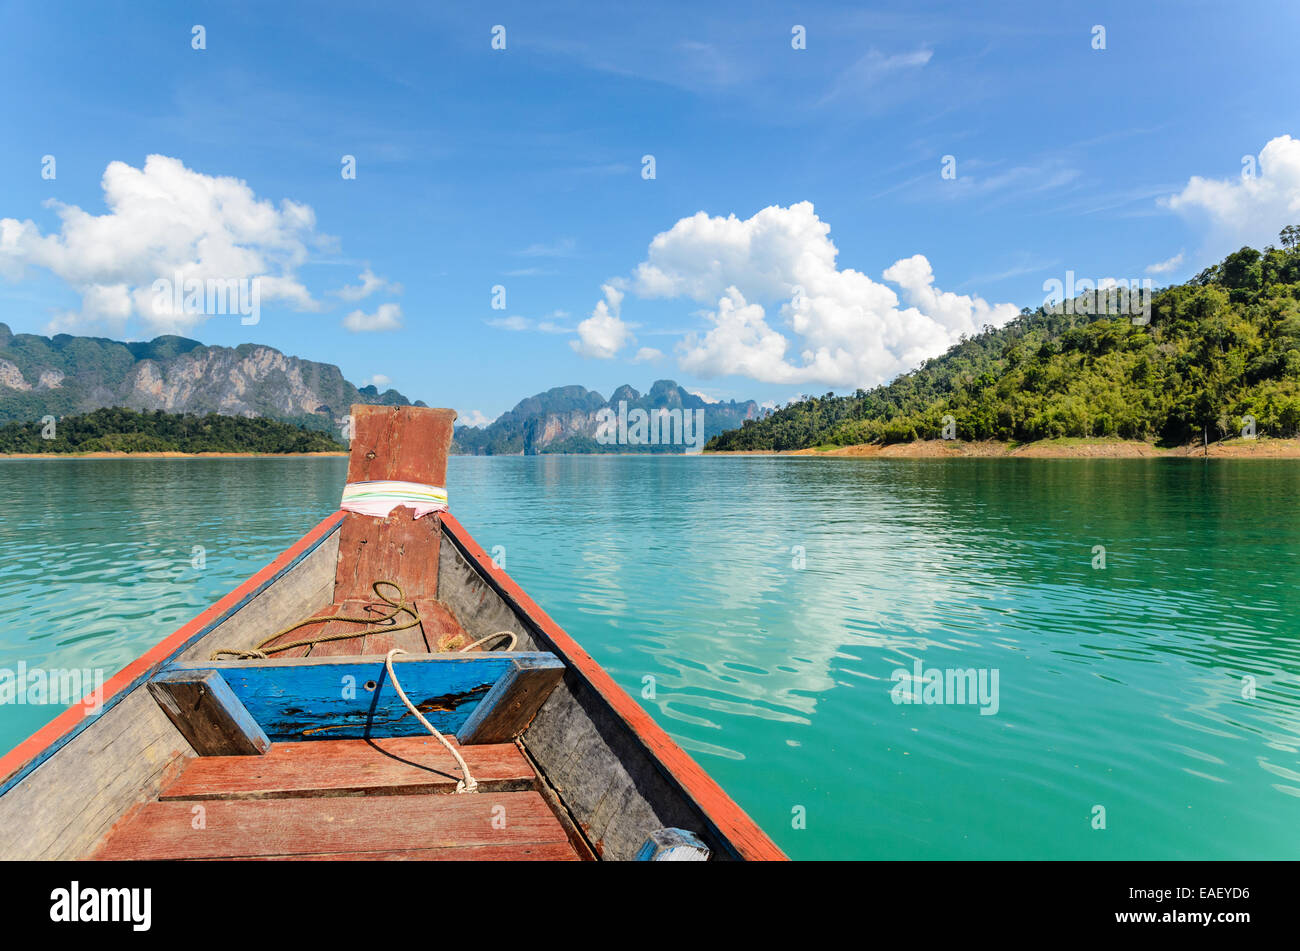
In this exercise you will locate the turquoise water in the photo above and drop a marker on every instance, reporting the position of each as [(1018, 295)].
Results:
[(1120, 687)]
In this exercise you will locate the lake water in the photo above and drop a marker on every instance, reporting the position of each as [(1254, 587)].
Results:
[(771, 601)]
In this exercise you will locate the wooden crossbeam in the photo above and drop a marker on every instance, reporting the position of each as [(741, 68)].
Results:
[(511, 704), (480, 697), (208, 714)]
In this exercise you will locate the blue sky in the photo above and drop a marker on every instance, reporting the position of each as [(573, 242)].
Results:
[(523, 168)]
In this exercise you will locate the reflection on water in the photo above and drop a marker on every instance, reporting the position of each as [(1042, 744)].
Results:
[(758, 607)]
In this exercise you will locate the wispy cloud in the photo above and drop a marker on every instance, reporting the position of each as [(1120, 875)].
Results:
[(1030, 266), (1165, 267), (563, 248), (546, 325), (509, 323), (979, 179), (370, 284), (869, 70)]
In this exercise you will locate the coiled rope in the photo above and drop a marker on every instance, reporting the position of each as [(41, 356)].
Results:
[(399, 606), (468, 783)]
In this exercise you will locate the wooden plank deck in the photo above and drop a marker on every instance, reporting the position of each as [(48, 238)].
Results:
[(396, 765), (347, 799), (437, 631)]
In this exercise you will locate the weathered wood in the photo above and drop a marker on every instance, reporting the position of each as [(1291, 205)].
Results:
[(393, 766), (411, 640), (350, 697), (620, 775), (434, 619), (442, 632), (408, 444), (70, 802), (530, 852), (300, 634), (511, 704), (66, 785), (673, 845), (243, 828), (207, 713), (397, 548), (403, 443), (300, 592), (477, 606)]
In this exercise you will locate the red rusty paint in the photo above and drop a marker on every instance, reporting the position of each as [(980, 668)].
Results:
[(744, 835), (67, 721)]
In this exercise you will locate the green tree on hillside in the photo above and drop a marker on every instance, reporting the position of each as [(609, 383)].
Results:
[(1222, 346)]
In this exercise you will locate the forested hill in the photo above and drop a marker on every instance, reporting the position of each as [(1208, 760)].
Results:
[(63, 375), (1223, 346), (123, 430)]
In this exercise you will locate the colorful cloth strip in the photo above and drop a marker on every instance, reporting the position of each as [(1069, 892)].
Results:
[(380, 497)]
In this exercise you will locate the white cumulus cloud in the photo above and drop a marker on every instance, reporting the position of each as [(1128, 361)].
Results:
[(163, 221), (1248, 209), (473, 417), (781, 310), (386, 317), (604, 334)]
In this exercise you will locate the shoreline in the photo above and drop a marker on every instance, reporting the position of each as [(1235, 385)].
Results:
[(1258, 448), (1069, 448), (169, 455)]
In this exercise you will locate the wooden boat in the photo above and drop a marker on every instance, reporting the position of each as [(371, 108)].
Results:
[(310, 752)]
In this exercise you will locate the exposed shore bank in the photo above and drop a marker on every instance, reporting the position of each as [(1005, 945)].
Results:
[(167, 455), (1259, 448)]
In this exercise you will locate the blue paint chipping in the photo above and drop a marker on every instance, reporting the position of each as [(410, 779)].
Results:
[(352, 698)]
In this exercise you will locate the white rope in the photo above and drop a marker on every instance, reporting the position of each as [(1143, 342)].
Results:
[(467, 785), (514, 640)]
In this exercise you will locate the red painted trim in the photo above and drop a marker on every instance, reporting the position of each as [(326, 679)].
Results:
[(73, 717), (749, 841)]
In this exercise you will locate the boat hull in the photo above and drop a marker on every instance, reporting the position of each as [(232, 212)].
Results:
[(610, 772)]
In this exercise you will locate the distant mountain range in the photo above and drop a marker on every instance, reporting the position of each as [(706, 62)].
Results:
[(571, 419), (65, 374)]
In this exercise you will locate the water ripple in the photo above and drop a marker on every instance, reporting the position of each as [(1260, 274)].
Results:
[(762, 608)]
